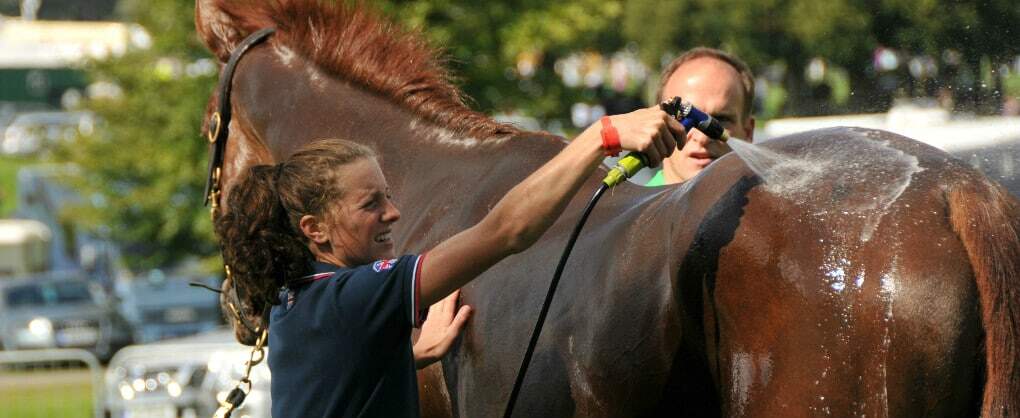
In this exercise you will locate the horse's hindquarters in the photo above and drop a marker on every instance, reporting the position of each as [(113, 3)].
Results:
[(818, 308)]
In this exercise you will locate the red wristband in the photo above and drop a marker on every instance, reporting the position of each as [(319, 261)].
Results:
[(610, 138)]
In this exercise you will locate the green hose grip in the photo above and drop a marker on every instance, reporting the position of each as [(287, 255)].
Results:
[(625, 168)]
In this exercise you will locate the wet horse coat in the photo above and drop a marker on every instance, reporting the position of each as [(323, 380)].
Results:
[(880, 286)]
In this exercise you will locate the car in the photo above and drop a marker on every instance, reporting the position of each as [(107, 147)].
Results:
[(184, 377), (31, 132), (60, 310), (160, 307)]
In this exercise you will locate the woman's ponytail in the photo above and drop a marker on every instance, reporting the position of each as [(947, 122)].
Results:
[(259, 245)]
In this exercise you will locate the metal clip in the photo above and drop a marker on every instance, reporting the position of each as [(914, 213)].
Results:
[(214, 127), (236, 397), (233, 400), (214, 194)]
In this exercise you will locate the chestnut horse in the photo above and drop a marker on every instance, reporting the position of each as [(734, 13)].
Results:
[(870, 275)]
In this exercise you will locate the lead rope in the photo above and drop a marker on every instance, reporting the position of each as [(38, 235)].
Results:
[(236, 397)]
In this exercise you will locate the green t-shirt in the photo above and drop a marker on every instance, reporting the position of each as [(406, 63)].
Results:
[(657, 180)]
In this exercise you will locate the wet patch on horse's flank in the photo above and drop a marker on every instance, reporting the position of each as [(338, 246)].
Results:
[(317, 78), (432, 133), (580, 382), (700, 265), (283, 53), (853, 177), (859, 320), (748, 371), (844, 185)]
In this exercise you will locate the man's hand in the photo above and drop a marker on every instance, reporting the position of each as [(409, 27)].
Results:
[(443, 325)]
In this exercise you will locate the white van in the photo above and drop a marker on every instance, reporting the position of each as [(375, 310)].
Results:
[(24, 247)]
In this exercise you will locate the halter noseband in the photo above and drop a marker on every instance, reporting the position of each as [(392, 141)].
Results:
[(219, 122)]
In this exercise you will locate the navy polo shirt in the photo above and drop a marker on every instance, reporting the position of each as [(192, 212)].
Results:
[(340, 342)]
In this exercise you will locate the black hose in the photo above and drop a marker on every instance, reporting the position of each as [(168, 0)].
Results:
[(548, 300)]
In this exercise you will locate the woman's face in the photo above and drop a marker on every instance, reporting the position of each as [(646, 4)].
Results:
[(361, 222)]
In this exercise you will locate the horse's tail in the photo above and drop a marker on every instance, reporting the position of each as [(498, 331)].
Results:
[(987, 220)]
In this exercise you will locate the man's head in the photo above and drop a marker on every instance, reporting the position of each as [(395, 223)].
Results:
[(717, 83)]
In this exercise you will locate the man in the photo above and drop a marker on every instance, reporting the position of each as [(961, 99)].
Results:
[(717, 83)]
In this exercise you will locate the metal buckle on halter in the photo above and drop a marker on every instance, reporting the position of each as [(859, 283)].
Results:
[(214, 194), (214, 128), (219, 122)]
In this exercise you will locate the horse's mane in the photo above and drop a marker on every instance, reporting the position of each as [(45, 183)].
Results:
[(354, 44)]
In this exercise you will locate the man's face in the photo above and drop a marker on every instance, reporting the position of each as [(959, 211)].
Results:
[(714, 87)]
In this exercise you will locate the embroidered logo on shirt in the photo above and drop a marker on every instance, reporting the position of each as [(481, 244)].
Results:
[(381, 265)]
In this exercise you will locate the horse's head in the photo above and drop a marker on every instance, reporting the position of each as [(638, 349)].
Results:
[(336, 71)]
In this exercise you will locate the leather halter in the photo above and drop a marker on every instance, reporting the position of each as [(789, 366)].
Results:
[(218, 132), (219, 122)]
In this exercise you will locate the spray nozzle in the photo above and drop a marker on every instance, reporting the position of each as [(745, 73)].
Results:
[(691, 117)]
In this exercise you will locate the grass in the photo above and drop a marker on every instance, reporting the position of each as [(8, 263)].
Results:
[(46, 394)]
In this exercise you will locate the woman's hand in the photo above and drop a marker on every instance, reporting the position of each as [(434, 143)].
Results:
[(440, 329)]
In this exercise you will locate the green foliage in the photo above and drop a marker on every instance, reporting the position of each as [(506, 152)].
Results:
[(9, 167), (147, 160), (484, 41)]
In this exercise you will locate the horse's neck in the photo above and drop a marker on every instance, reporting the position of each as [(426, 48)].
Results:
[(290, 102)]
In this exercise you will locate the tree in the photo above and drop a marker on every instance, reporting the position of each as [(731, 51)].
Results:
[(148, 161), (144, 169), (486, 40)]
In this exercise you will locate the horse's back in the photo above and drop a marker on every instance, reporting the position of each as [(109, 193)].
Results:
[(843, 287)]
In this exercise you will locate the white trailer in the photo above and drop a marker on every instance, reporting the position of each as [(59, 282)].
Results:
[(24, 247)]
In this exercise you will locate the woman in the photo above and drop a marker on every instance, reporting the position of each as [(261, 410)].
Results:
[(311, 237)]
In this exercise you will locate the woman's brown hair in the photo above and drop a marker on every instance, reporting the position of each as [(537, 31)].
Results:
[(259, 234)]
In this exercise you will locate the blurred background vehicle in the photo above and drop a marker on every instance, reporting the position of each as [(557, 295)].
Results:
[(33, 132), (160, 306), (24, 247), (60, 310), (184, 377), (42, 196)]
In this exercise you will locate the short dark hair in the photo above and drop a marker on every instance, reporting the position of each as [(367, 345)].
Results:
[(746, 76)]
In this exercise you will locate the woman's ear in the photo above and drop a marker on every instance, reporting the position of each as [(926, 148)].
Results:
[(313, 229)]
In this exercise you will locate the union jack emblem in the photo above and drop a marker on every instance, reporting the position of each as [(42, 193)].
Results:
[(383, 265)]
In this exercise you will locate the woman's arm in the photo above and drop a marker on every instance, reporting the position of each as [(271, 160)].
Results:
[(531, 207)]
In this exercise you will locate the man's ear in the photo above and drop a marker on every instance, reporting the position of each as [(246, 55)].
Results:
[(313, 230), (215, 28)]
